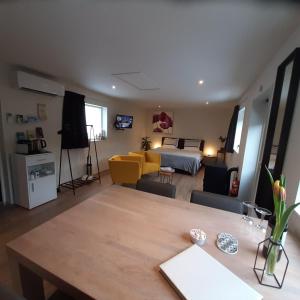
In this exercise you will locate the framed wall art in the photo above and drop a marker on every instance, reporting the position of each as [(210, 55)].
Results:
[(163, 122)]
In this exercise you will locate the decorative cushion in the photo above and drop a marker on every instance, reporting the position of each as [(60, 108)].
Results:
[(192, 143), (191, 148), (171, 141), (169, 146)]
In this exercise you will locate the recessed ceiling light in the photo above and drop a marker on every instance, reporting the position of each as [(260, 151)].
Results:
[(206, 102), (200, 82), (113, 87), (159, 106)]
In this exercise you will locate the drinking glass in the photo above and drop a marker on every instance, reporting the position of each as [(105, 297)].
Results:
[(263, 213), (249, 206)]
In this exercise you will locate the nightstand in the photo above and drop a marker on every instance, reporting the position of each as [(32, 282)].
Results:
[(208, 159)]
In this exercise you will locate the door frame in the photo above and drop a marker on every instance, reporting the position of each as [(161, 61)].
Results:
[(265, 96), (264, 190), (5, 176), (2, 159)]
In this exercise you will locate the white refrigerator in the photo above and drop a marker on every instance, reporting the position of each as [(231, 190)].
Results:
[(34, 179)]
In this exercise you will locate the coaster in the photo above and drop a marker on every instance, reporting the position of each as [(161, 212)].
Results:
[(227, 243), (198, 236)]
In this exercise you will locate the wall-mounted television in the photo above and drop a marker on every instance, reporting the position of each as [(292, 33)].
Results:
[(123, 121)]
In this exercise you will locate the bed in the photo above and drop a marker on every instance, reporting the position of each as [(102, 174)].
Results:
[(181, 154)]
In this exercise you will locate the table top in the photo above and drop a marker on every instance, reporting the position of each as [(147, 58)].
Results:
[(111, 245)]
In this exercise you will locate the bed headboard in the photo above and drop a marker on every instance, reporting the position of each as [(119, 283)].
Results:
[(181, 142)]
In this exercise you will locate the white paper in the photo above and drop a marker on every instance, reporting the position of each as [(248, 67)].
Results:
[(197, 275)]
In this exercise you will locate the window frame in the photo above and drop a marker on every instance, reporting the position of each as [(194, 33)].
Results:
[(237, 141), (104, 126), (298, 199)]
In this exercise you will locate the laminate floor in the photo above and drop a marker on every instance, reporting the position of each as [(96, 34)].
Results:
[(15, 220), (184, 183)]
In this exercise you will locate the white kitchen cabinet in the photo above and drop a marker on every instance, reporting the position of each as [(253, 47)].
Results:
[(34, 179)]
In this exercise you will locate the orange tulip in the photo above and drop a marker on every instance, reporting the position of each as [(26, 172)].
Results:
[(282, 193), (276, 189)]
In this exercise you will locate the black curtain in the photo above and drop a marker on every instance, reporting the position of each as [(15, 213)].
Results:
[(231, 130), (74, 133)]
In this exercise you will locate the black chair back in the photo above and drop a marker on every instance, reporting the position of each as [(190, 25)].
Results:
[(218, 201), (158, 188)]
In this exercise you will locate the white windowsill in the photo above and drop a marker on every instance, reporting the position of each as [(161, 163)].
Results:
[(98, 140)]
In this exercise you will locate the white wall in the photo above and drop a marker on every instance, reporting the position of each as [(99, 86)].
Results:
[(18, 101), (266, 80), (205, 122)]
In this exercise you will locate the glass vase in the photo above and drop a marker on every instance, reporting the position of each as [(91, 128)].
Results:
[(264, 269), (273, 255)]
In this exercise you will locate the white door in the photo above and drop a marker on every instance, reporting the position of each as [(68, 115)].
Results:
[(42, 190)]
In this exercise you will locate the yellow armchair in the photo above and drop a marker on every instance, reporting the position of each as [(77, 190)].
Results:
[(125, 168), (150, 161)]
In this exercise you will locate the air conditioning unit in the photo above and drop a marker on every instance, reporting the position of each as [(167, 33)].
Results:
[(39, 84)]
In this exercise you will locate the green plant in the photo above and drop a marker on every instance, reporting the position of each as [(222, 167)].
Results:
[(222, 139), (146, 143), (282, 214)]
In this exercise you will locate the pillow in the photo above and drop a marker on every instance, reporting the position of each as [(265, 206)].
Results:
[(191, 148), (169, 146), (192, 143), (171, 141)]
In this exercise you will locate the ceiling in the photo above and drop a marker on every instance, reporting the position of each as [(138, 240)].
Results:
[(172, 43)]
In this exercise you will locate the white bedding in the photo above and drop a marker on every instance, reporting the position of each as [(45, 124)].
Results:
[(186, 160), (181, 152)]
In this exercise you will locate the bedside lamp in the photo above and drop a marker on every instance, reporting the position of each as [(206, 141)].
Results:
[(210, 151), (156, 145)]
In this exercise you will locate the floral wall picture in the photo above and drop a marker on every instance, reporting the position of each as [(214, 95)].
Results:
[(162, 122)]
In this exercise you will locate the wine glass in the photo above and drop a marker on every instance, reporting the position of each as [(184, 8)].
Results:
[(249, 206), (263, 213)]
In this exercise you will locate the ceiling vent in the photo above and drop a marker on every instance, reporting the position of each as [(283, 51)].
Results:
[(138, 80), (39, 84)]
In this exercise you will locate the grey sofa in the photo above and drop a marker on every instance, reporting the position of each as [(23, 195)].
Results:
[(231, 204)]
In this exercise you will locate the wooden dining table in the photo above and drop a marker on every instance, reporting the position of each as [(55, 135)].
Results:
[(111, 245)]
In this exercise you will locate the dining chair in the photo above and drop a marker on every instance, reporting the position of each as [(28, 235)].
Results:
[(158, 188), (218, 201)]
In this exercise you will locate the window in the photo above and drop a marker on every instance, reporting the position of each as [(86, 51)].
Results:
[(97, 116), (298, 199), (238, 131)]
